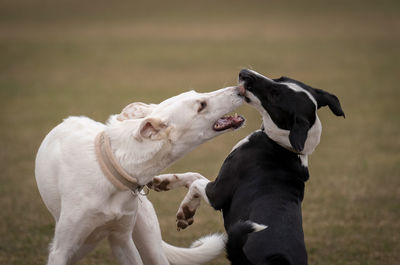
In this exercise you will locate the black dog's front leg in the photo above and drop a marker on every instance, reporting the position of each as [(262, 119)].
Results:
[(189, 205), (195, 182)]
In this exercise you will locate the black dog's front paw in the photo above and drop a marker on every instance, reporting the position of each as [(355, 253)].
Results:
[(184, 217)]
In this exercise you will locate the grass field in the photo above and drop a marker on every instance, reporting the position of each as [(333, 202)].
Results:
[(62, 58)]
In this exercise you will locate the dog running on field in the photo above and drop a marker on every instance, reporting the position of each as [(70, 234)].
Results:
[(261, 182)]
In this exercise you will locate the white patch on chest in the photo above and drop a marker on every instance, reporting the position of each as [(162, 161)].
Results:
[(304, 160), (243, 141)]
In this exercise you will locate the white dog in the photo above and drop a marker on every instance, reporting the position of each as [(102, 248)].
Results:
[(89, 175)]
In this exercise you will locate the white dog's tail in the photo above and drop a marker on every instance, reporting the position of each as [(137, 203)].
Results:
[(201, 251)]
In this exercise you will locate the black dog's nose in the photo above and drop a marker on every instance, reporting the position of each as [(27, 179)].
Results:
[(245, 75)]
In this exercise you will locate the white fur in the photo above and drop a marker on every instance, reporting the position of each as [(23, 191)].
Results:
[(304, 160), (204, 246), (258, 227), (197, 190), (88, 208)]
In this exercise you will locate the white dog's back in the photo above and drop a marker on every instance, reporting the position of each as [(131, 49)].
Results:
[(71, 140)]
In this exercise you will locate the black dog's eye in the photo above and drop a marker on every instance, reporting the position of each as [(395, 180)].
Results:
[(202, 106)]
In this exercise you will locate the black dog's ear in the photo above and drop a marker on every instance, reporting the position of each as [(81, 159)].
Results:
[(324, 98), (298, 133)]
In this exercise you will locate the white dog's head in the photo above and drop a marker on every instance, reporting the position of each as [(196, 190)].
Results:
[(135, 110), (192, 118), (178, 124)]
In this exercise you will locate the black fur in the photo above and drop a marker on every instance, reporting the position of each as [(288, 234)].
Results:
[(237, 237), (263, 182), (322, 97)]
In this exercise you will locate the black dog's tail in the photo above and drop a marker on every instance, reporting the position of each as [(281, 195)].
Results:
[(237, 237)]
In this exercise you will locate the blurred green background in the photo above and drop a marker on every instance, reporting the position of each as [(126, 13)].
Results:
[(62, 58)]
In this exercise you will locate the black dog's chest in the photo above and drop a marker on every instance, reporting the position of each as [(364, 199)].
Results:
[(258, 167), (262, 182)]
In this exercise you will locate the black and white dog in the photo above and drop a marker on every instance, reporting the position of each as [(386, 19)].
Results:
[(261, 182)]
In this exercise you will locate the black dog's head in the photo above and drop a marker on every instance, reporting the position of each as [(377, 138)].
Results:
[(289, 109)]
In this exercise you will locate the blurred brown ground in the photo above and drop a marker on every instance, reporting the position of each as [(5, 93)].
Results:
[(62, 58)]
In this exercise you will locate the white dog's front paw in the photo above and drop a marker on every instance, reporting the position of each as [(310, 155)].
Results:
[(163, 182)]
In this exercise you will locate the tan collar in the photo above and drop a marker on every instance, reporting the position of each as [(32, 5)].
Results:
[(110, 166)]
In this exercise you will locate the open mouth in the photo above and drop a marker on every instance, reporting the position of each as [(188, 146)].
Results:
[(228, 122)]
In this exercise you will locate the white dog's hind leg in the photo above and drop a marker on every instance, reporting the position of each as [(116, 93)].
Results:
[(189, 205), (147, 235)]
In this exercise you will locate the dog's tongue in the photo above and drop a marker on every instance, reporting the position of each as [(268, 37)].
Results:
[(228, 122)]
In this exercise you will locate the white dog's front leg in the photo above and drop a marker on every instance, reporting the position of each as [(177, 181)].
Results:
[(171, 181), (191, 202)]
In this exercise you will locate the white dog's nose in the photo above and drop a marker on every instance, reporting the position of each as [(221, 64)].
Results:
[(241, 90)]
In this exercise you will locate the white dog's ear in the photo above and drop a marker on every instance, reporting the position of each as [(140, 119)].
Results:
[(153, 129), (136, 110)]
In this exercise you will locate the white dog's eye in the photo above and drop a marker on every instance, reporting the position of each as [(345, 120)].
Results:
[(202, 106)]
